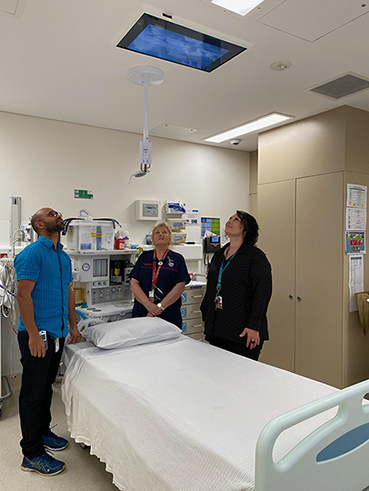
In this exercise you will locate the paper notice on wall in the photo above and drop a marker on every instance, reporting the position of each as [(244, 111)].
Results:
[(355, 242), (356, 279), (356, 195), (192, 217), (355, 219)]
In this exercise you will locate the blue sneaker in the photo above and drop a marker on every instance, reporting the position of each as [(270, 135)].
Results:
[(54, 442), (44, 465)]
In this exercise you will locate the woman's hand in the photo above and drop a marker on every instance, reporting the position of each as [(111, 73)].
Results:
[(253, 337), (153, 310)]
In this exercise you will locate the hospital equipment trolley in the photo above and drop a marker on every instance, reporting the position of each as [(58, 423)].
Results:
[(191, 313)]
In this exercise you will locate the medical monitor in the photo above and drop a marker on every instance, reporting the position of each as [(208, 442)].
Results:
[(209, 224), (168, 41)]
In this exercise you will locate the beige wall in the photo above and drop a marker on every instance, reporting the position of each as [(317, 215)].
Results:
[(43, 161), (254, 183), (355, 344), (357, 140), (308, 147)]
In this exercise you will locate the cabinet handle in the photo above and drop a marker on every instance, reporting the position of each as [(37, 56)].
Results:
[(290, 296), (299, 299), (197, 296), (195, 311)]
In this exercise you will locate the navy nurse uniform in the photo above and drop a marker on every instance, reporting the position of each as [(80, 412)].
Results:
[(173, 271)]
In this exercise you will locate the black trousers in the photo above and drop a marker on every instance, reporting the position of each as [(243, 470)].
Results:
[(238, 348), (36, 392)]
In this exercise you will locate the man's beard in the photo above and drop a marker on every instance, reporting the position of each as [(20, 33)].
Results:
[(51, 228)]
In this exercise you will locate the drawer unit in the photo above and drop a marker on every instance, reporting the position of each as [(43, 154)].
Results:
[(193, 296), (191, 313), (192, 325)]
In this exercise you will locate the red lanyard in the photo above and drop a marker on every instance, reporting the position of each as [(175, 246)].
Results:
[(155, 273)]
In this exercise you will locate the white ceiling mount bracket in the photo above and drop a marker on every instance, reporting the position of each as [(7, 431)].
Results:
[(146, 75)]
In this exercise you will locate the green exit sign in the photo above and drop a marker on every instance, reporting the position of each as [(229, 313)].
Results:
[(83, 194)]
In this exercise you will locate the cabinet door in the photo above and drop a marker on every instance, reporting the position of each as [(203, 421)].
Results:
[(319, 273), (276, 218)]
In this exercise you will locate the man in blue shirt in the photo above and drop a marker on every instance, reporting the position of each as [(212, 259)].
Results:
[(46, 304)]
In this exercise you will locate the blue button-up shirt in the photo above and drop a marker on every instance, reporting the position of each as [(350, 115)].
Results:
[(51, 271)]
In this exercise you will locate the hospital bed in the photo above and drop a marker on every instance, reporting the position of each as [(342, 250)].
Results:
[(166, 412)]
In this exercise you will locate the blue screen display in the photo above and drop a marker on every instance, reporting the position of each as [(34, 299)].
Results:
[(171, 46), (162, 39)]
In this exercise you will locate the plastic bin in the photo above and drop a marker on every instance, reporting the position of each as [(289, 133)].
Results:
[(178, 238), (176, 223), (87, 235)]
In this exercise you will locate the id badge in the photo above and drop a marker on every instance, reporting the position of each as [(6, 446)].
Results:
[(56, 345), (218, 302), (151, 295)]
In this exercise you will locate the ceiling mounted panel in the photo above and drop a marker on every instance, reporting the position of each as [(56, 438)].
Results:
[(313, 19), (9, 6), (168, 41), (341, 86), (166, 130)]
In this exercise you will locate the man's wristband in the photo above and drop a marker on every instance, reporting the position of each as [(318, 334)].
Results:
[(161, 307)]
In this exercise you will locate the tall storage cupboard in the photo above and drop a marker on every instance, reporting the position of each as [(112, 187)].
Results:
[(302, 178)]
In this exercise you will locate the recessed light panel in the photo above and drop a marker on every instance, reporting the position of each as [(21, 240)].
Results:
[(258, 124), (163, 39), (241, 7)]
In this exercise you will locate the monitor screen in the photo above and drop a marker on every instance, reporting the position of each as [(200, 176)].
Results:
[(162, 39), (211, 225)]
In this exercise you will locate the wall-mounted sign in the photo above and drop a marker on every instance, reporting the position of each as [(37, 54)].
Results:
[(356, 195), (83, 194), (355, 243)]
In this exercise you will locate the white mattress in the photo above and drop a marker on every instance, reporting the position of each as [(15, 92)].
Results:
[(181, 415)]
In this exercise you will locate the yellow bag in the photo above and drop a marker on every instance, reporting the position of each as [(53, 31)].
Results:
[(362, 300)]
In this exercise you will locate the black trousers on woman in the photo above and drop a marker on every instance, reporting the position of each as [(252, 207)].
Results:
[(237, 348), (36, 392)]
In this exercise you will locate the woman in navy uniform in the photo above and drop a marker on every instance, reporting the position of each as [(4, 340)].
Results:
[(158, 279)]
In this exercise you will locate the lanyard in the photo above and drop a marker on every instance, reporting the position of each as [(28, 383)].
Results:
[(223, 268), (155, 273)]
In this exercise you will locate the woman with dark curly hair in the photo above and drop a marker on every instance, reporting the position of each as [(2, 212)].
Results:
[(238, 291)]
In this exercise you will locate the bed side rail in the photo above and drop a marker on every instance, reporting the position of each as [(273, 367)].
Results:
[(333, 457)]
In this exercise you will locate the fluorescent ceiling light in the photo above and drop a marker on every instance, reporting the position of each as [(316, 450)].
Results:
[(258, 124), (241, 7)]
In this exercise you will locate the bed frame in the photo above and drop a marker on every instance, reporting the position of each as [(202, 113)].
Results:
[(334, 457)]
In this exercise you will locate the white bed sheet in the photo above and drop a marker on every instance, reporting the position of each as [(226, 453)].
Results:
[(180, 415)]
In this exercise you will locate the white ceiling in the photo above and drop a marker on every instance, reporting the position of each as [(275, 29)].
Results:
[(58, 60)]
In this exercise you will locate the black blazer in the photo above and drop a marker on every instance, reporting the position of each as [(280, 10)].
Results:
[(246, 291)]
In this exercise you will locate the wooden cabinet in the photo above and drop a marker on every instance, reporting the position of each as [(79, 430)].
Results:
[(319, 273), (276, 217), (303, 171), (301, 231)]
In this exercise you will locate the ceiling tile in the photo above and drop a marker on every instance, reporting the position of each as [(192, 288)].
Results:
[(313, 19)]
